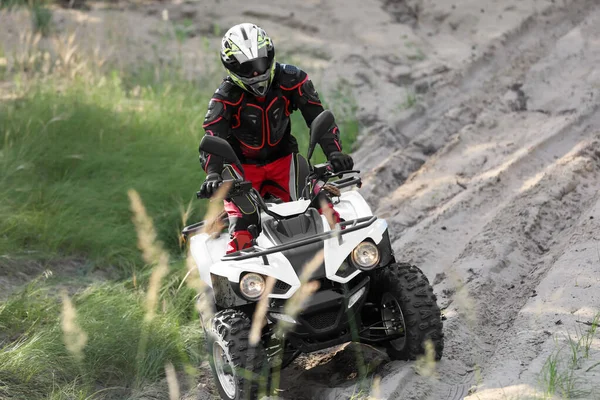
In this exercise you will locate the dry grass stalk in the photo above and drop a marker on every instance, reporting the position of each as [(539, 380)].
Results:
[(311, 266), (329, 214), (213, 222), (58, 57), (297, 301), (174, 393), (185, 215), (28, 53), (376, 389), (260, 312), (425, 364), (146, 234), (213, 226), (153, 294), (67, 61), (74, 337), (152, 252), (192, 279)]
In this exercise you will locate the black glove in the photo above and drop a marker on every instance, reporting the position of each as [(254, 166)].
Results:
[(211, 184), (340, 161)]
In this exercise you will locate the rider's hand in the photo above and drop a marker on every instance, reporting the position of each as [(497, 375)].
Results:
[(340, 161), (211, 184)]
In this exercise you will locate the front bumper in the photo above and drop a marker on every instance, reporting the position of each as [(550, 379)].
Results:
[(327, 319)]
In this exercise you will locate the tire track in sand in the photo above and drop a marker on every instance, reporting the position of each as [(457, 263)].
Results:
[(494, 237)]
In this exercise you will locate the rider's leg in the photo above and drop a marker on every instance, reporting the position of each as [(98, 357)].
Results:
[(326, 207), (278, 178), (289, 174), (241, 210)]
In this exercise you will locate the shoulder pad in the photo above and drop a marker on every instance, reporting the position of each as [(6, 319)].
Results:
[(291, 76), (290, 69), (216, 110), (309, 92), (228, 91)]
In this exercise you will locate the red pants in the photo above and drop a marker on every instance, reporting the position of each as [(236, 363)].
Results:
[(283, 178)]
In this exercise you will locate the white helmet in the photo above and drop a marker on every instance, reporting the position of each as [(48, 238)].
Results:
[(248, 55)]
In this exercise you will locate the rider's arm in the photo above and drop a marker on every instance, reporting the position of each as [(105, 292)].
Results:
[(306, 99), (217, 122)]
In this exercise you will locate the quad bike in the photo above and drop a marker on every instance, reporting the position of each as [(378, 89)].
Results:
[(364, 295)]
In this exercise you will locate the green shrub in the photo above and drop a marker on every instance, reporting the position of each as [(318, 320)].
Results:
[(41, 18)]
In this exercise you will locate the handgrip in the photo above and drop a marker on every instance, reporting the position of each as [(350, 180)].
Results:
[(237, 188)]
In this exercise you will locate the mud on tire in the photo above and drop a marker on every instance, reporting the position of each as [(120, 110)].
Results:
[(422, 318), (229, 339)]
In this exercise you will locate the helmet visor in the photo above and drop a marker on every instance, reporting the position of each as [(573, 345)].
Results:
[(252, 68)]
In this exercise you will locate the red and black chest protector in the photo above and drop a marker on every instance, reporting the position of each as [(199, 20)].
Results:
[(262, 126), (259, 129)]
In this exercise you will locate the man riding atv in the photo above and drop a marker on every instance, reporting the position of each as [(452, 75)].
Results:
[(251, 110)]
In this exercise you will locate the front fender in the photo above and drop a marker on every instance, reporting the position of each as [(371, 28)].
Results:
[(352, 206), (336, 253), (278, 267), (205, 251), (207, 254)]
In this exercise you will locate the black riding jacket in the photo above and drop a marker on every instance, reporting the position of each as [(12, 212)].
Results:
[(259, 129)]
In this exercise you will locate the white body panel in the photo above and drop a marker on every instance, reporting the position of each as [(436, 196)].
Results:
[(336, 253), (207, 253), (351, 206), (290, 208)]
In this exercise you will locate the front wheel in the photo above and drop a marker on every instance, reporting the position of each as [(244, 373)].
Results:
[(409, 311), (236, 365)]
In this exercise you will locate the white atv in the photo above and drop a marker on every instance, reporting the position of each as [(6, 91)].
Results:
[(364, 294)]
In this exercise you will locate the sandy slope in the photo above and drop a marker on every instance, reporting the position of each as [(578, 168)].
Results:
[(502, 215), (490, 182)]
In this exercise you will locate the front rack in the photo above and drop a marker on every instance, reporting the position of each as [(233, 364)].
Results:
[(345, 228), (347, 182)]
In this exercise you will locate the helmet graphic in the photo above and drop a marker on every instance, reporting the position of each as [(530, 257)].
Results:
[(248, 55)]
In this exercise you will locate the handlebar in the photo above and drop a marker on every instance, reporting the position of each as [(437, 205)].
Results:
[(342, 173), (238, 188), (325, 171), (321, 172)]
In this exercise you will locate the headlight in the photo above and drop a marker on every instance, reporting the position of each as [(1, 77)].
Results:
[(252, 286), (365, 256)]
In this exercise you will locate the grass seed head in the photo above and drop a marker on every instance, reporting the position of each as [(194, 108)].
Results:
[(74, 337)]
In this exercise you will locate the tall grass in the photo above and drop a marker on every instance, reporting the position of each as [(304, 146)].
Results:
[(69, 155), (112, 340), (36, 362)]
